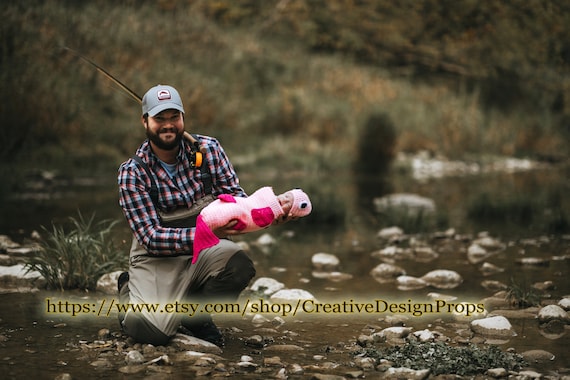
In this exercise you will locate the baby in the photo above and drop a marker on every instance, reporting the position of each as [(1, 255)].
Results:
[(253, 213)]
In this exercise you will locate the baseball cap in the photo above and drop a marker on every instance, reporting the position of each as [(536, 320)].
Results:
[(160, 98)]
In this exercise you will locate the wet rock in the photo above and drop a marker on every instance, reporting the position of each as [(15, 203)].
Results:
[(497, 373), (283, 348), (134, 357), (389, 233), (323, 376), (533, 261), (425, 335), (477, 254), (392, 254), (552, 312), (537, 356), (443, 279), (255, 341), (274, 361), (192, 343), (395, 332), (108, 282), (439, 296), (103, 334), (295, 369), (332, 276), (545, 285), (494, 327), (386, 273), (323, 262), (564, 303), (406, 373), (132, 369), (493, 285), (413, 204), (410, 283), (267, 286), (488, 269), (365, 363), (488, 242), (425, 254), (291, 295), (529, 375)]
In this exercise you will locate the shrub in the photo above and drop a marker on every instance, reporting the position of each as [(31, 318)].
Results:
[(76, 259)]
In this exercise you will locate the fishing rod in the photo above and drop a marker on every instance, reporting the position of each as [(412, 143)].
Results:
[(121, 85)]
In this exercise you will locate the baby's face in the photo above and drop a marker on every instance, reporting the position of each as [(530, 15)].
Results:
[(286, 201)]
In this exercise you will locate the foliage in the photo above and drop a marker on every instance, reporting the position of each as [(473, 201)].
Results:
[(453, 78), (441, 358), (521, 296), (76, 259)]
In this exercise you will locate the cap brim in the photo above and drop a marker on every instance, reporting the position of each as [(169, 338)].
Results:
[(165, 106)]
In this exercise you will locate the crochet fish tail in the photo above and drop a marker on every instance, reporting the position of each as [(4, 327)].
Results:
[(203, 238)]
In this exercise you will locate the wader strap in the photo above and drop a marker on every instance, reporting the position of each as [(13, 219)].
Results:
[(206, 177), (153, 187)]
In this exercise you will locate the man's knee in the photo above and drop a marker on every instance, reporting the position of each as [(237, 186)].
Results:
[(232, 279), (240, 269)]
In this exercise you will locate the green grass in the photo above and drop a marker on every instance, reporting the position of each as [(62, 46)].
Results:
[(75, 257)]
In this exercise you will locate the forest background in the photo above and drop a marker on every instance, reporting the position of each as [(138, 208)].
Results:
[(287, 85)]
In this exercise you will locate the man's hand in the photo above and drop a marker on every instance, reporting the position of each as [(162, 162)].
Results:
[(227, 230)]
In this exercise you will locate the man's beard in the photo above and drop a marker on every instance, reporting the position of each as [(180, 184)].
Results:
[(155, 138)]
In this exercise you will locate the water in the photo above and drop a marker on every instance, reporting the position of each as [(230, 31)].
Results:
[(35, 347)]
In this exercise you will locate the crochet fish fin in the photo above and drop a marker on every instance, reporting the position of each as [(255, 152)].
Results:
[(262, 217), (203, 238), (227, 198)]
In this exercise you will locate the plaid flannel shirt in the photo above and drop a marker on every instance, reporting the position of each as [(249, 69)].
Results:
[(182, 190)]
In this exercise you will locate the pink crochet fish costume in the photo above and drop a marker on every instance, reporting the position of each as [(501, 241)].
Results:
[(253, 213)]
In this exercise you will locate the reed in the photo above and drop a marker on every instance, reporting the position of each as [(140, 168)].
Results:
[(75, 258)]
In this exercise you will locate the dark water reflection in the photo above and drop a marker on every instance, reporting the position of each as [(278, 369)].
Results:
[(36, 346)]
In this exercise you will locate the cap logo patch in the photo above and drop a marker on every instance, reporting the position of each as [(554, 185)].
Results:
[(163, 95)]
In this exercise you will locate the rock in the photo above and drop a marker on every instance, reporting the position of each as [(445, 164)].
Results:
[(489, 242), (291, 295), (265, 240), (332, 276), (493, 285), (495, 327), (392, 332), (410, 283), (405, 373), (443, 279), (389, 233), (552, 312), (19, 271), (284, 348), (392, 253), (488, 269), (325, 262), (477, 254), (107, 283), (564, 303), (528, 375), (413, 204), (537, 356), (192, 343), (533, 261), (425, 254), (134, 357), (497, 373), (266, 286), (63, 376), (425, 336), (385, 273)]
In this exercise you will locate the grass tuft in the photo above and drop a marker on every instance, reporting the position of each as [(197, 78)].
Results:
[(75, 259)]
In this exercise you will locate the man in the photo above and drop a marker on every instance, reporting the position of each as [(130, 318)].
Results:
[(162, 189)]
